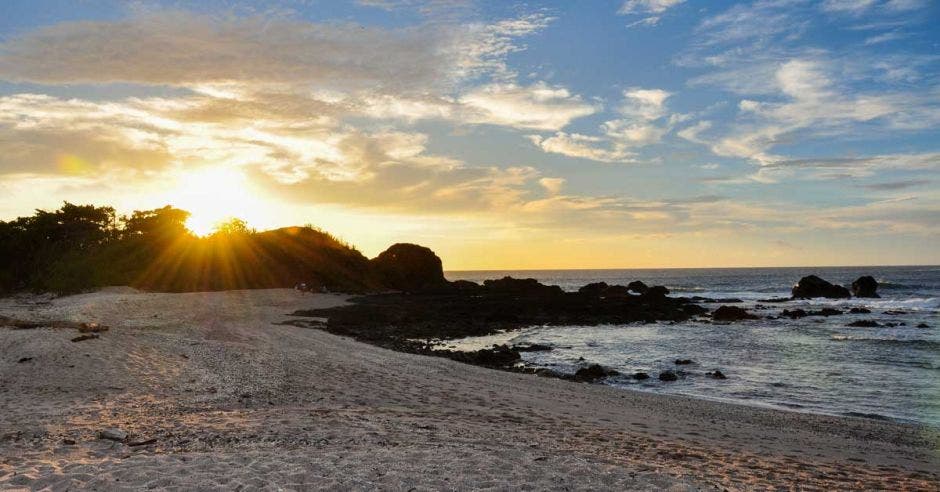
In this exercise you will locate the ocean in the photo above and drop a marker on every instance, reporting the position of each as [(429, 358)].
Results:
[(813, 364)]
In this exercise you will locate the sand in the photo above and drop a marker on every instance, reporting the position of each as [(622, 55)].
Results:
[(236, 401)]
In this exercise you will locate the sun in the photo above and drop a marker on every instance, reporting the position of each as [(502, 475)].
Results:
[(215, 195)]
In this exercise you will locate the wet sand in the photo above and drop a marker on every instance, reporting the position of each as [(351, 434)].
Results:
[(232, 398)]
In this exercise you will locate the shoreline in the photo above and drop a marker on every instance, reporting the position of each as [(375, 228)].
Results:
[(323, 410)]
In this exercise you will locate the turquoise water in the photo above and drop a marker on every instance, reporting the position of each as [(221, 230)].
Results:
[(813, 364)]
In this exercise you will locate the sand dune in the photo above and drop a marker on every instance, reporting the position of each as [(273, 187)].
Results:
[(233, 399)]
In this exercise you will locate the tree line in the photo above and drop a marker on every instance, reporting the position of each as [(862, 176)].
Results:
[(82, 247)]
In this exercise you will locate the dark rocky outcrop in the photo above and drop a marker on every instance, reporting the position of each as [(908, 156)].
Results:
[(668, 376), (860, 310), (594, 289), (812, 286), (865, 286), (801, 313), (521, 287), (731, 313), (409, 268), (593, 372), (638, 286), (716, 374), (864, 323), (640, 376), (656, 291), (923, 325), (535, 347)]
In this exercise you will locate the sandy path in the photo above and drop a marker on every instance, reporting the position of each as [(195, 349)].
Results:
[(235, 400)]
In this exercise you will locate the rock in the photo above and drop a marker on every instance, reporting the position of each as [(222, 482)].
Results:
[(112, 434), (82, 338), (777, 299), (146, 442), (535, 347), (656, 291), (731, 313), (593, 373), (91, 328), (716, 374), (68, 442), (594, 289), (865, 286), (794, 313), (923, 325), (864, 323), (800, 313), (683, 362), (409, 268), (860, 310), (668, 376), (640, 376), (638, 287), (812, 286), (523, 286), (465, 286), (895, 312), (24, 359)]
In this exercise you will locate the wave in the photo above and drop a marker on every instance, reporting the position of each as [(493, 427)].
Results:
[(917, 342)]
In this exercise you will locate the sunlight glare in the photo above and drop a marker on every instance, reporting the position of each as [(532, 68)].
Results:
[(215, 195)]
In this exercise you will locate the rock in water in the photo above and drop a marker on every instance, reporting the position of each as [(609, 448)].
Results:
[(521, 286), (638, 287), (717, 374), (864, 323), (594, 289), (640, 376), (813, 286), (731, 313), (668, 376), (594, 372), (112, 435), (410, 268), (865, 287), (683, 362)]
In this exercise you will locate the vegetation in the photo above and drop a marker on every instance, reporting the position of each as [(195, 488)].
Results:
[(82, 247)]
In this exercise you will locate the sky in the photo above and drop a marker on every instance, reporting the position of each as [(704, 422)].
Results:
[(503, 135)]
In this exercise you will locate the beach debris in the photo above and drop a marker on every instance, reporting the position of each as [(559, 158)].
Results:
[(640, 376), (731, 313), (684, 362), (593, 373), (812, 286), (91, 328), (112, 434), (668, 376), (864, 323), (716, 374), (24, 359), (82, 338), (860, 310), (865, 286), (18, 324), (68, 442)]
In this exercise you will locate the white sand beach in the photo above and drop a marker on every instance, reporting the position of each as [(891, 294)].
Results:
[(233, 400)]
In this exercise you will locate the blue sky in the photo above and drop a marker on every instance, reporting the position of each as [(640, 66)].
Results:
[(640, 132)]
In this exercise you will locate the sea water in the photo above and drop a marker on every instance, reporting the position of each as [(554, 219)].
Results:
[(813, 364)]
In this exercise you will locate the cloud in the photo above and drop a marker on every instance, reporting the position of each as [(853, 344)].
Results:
[(552, 185), (582, 147), (652, 9), (853, 7), (538, 106), (897, 185)]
